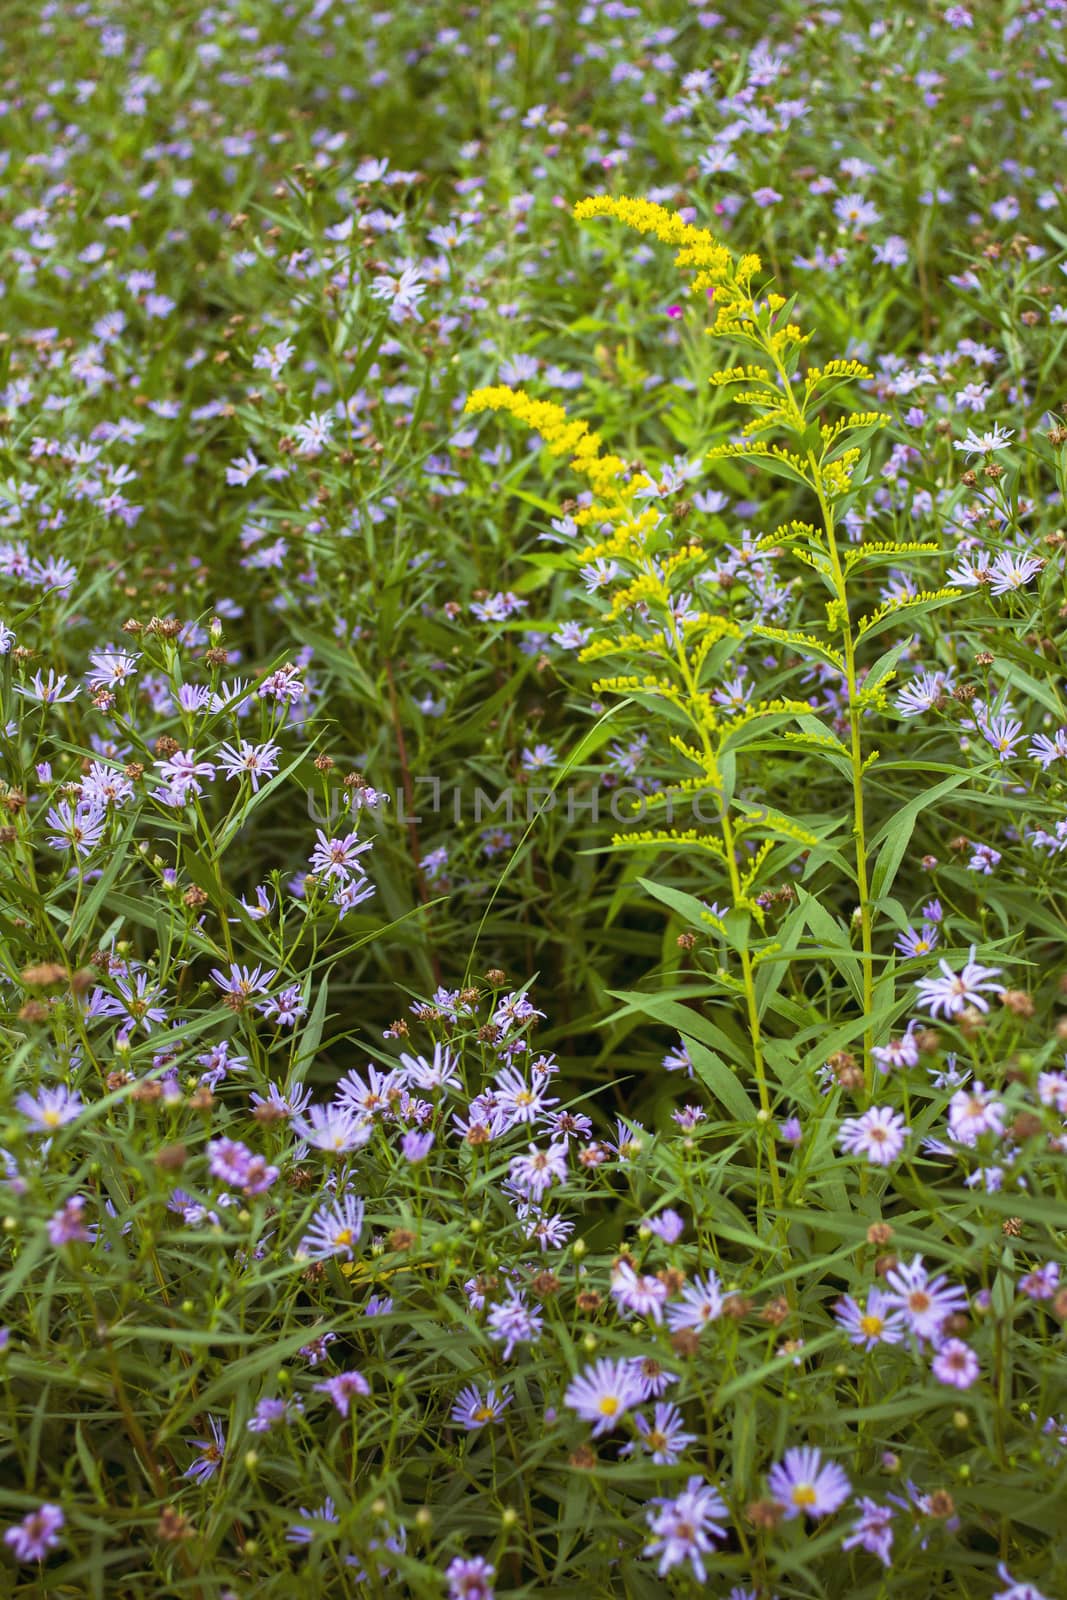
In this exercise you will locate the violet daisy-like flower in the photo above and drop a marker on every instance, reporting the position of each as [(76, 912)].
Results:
[(875, 1323), (664, 1437), (241, 983), (701, 1302), (1003, 733), (1013, 569), (1045, 751), (981, 444), (926, 1302), (518, 1100), (252, 761), (952, 992), (271, 1412), (472, 1410), (683, 1528), (416, 1146), (639, 1293), (182, 773), (333, 1129), (211, 1453), (48, 691), (110, 668), (66, 1226), (37, 1533), (436, 1076), (285, 1008), (879, 1134), (52, 1109), (974, 1111), (534, 1173), (334, 1229), (313, 1522), (603, 1393), (513, 1322), (341, 1388), (874, 1530), (337, 858), (804, 1485), (902, 1052), (79, 827), (470, 1578), (956, 1363), (668, 1226), (921, 943), (679, 1060)]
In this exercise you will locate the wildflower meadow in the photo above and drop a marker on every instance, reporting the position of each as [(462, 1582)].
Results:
[(533, 800)]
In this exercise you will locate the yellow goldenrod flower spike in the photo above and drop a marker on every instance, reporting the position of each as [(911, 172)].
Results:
[(696, 246)]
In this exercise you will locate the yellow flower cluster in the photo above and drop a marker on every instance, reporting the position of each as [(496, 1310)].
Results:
[(715, 267), (562, 434)]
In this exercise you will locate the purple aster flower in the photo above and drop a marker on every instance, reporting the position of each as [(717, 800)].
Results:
[(66, 1225), (211, 1453), (879, 1134), (514, 1322), (337, 858), (241, 983), (668, 1226), (974, 1111), (416, 1146), (313, 1523), (271, 1412), (875, 1323), (52, 1108), (252, 761), (79, 827), (701, 1303), (664, 1437), (956, 1363), (952, 992), (334, 1229), (603, 1393), (333, 1128), (684, 1527), (925, 1302), (639, 1293), (470, 1578), (874, 1530), (472, 1409), (341, 1387), (37, 1533), (535, 1172), (806, 1486)]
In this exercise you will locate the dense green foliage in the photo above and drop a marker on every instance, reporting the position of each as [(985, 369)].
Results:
[(532, 991)]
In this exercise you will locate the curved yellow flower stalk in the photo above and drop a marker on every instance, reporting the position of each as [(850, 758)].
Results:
[(823, 458)]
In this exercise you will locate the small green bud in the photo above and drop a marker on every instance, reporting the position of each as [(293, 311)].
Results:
[(251, 1460), (578, 1249), (509, 1517), (590, 1342), (424, 1517), (476, 1226)]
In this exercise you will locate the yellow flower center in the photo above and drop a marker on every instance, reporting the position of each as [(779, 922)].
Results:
[(51, 1118), (804, 1494), (608, 1406), (344, 1237), (871, 1325)]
